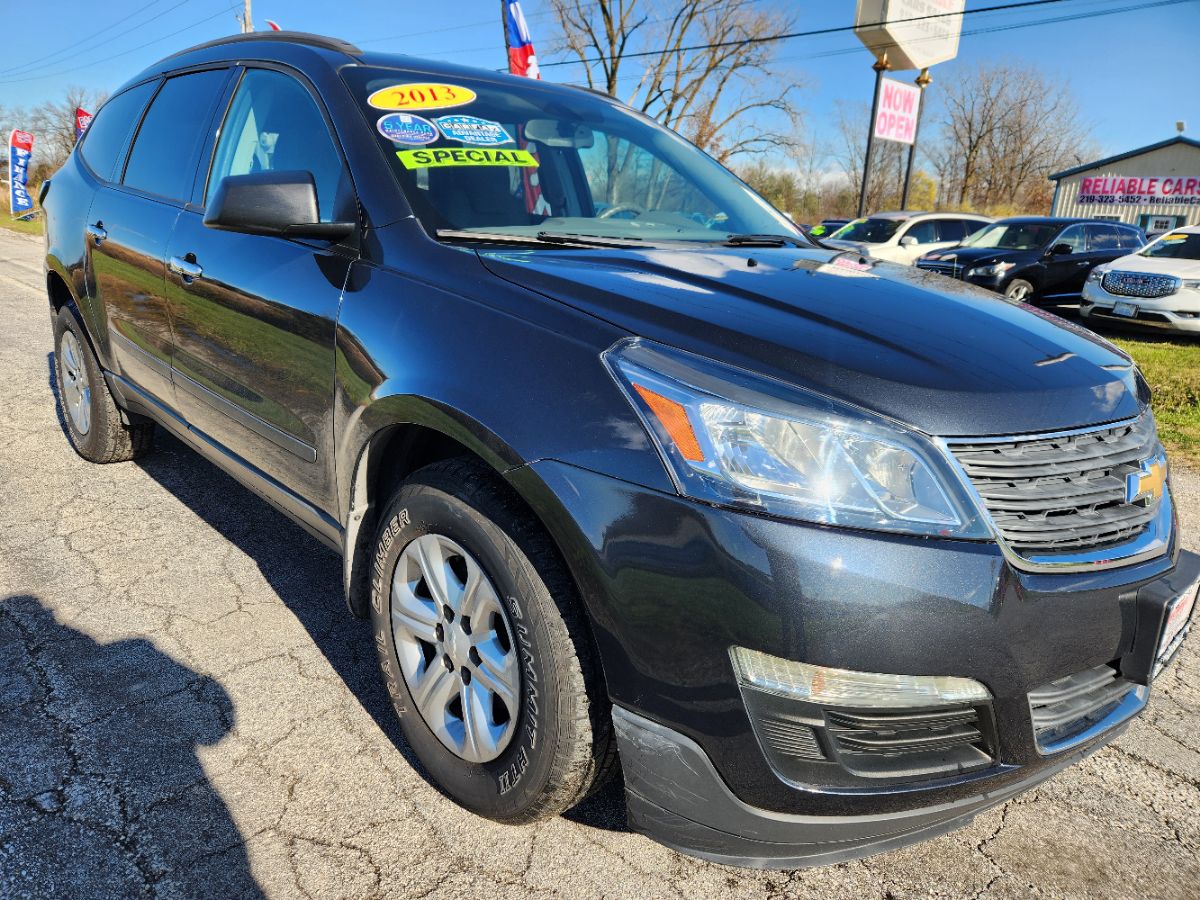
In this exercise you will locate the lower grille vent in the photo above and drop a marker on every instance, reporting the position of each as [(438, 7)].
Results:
[(1066, 708), (911, 743)]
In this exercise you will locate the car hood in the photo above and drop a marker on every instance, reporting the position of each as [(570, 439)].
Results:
[(1180, 268), (977, 256), (858, 246), (946, 358)]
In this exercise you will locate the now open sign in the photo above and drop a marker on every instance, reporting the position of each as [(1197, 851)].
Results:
[(899, 104)]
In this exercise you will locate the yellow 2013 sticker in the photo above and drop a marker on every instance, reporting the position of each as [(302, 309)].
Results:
[(421, 95), (431, 158)]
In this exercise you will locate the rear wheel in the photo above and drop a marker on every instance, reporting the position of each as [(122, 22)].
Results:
[(94, 424), (484, 647), (1020, 290)]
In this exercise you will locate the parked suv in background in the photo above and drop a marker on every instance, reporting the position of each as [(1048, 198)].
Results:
[(1032, 258), (834, 555), (1159, 285), (903, 236)]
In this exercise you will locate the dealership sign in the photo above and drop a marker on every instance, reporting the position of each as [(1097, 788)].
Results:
[(915, 34), (1142, 191), (899, 105)]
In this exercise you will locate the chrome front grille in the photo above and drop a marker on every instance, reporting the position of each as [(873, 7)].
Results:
[(949, 269), (1063, 493), (1137, 284)]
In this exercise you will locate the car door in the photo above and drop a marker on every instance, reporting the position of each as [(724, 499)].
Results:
[(1064, 273), (917, 240), (133, 213), (255, 315)]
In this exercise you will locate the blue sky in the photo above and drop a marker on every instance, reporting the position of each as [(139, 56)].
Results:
[(1131, 72)]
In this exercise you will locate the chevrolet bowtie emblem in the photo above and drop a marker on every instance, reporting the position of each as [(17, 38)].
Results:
[(1146, 485)]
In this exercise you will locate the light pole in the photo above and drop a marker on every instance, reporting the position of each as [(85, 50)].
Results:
[(881, 65), (923, 81)]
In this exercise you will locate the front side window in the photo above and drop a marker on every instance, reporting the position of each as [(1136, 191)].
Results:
[(165, 151), (1074, 237), (1130, 239), (477, 155), (274, 125), (925, 232), (1174, 245), (110, 130)]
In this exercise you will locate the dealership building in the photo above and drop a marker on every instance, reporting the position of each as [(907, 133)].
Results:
[(1156, 187)]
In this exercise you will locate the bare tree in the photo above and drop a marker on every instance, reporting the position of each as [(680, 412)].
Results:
[(1002, 130), (713, 95), (53, 125), (886, 184)]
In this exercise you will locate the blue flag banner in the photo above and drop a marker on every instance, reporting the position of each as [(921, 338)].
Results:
[(20, 148)]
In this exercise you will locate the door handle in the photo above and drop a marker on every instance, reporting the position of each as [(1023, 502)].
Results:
[(97, 233), (185, 269)]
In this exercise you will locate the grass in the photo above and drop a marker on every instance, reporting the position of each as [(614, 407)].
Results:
[(22, 227), (1172, 366)]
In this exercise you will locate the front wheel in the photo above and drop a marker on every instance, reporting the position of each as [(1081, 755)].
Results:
[(1019, 290), (484, 648)]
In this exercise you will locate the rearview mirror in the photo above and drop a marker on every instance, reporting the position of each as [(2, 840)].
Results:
[(278, 204), (1061, 250), (908, 241), (556, 133)]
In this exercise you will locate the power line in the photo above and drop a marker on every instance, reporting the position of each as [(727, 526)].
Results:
[(96, 62), (799, 34)]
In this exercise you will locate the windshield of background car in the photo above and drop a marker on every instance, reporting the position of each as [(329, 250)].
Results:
[(519, 159), (1176, 245), (1013, 236), (869, 231)]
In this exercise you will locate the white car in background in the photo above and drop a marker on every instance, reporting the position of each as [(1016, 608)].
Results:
[(903, 237), (1158, 285)]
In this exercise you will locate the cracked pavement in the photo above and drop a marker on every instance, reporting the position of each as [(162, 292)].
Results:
[(187, 709)]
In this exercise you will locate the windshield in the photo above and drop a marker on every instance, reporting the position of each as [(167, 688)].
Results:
[(503, 158), (869, 231), (1176, 245), (1013, 236)]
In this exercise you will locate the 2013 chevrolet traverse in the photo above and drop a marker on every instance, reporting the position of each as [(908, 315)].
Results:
[(831, 553)]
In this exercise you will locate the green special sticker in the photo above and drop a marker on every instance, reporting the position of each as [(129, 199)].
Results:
[(430, 158)]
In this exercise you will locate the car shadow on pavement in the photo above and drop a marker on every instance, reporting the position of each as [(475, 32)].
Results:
[(101, 790)]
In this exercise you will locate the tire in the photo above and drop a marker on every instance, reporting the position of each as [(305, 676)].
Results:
[(92, 420), (1020, 290), (557, 746)]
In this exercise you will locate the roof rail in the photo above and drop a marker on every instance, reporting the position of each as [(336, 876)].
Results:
[(287, 37)]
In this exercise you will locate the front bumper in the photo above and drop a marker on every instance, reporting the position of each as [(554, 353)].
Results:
[(1176, 312), (672, 584)]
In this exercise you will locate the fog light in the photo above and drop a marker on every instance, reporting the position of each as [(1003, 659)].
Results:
[(841, 687)]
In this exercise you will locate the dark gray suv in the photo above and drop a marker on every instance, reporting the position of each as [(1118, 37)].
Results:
[(832, 554)]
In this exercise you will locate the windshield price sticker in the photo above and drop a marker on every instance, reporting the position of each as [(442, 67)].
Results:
[(421, 95), (473, 130), (402, 128), (429, 159)]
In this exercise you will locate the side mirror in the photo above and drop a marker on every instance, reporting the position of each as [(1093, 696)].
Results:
[(908, 241), (1061, 250), (278, 204)]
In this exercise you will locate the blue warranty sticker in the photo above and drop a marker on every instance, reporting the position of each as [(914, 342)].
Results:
[(473, 130), (404, 128)]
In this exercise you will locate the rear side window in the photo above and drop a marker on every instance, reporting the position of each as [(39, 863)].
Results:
[(951, 230), (274, 125), (1103, 237), (163, 158), (1130, 239), (110, 130)]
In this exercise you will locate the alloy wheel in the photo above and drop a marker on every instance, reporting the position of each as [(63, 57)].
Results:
[(75, 390), (455, 645)]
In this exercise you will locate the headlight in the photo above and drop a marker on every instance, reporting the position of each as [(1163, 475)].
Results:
[(737, 439), (1191, 285), (1095, 276), (989, 271)]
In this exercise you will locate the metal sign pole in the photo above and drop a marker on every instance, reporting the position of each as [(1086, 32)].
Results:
[(923, 81), (880, 66)]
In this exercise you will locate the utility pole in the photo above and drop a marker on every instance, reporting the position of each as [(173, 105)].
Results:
[(247, 21), (881, 65), (923, 81)]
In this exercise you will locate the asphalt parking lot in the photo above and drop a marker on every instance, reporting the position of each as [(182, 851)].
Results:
[(186, 709)]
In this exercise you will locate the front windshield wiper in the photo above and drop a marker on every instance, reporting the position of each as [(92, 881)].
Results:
[(761, 240), (553, 238)]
